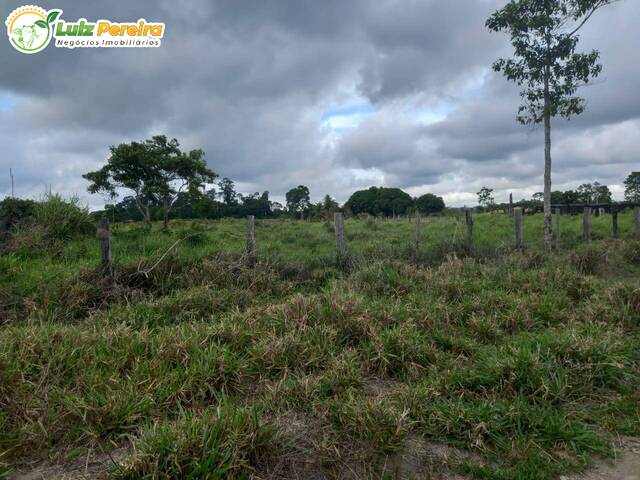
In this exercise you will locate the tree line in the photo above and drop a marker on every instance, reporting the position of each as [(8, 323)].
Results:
[(587, 193), (165, 182)]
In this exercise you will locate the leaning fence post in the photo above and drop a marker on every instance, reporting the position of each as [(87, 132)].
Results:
[(104, 234), (469, 218), (586, 223), (418, 231), (614, 220), (558, 228), (518, 223), (251, 241), (341, 246), (636, 215)]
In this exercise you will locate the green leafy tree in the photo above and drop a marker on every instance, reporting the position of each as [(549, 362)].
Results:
[(485, 197), (586, 193), (329, 206), (227, 192), (632, 187), (601, 193), (298, 200), (544, 34), (156, 170), (256, 204), (379, 201), (429, 203)]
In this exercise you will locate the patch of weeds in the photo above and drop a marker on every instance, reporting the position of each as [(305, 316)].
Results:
[(223, 442), (631, 251), (588, 260), (380, 423), (399, 352)]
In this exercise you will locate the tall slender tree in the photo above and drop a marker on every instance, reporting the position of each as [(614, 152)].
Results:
[(544, 34)]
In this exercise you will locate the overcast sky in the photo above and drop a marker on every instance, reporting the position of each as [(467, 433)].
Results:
[(334, 94)]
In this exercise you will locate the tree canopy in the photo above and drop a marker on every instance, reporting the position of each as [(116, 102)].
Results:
[(544, 35), (298, 200), (485, 196), (632, 187), (429, 203), (380, 201), (156, 170)]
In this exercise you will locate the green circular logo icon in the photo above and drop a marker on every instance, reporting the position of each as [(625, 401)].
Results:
[(30, 28)]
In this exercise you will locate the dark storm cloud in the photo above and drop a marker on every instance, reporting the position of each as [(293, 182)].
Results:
[(250, 82)]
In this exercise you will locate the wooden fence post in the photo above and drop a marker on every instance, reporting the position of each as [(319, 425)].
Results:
[(418, 232), (469, 219), (558, 228), (511, 204), (614, 221), (251, 241), (104, 234), (341, 246), (636, 215), (518, 224), (586, 224)]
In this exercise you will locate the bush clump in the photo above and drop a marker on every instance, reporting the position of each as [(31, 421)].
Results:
[(13, 211), (52, 221), (588, 260), (221, 443)]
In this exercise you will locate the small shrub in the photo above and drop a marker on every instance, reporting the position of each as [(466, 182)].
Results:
[(63, 219), (13, 211), (631, 252), (53, 222), (221, 443), (588, 260)]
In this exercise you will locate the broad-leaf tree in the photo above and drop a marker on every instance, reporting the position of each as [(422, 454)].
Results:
[(632, 187), (298, 200), (429, 203), (156, 170), (544, 34), (380, 201), (227, 192)]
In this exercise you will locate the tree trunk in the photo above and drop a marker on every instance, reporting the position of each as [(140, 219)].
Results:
[(166, 205), (146, 216), (548, 233)]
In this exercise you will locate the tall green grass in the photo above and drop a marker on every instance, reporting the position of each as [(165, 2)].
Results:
[(524, 363)]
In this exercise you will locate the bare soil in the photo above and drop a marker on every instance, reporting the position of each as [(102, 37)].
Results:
[(419, 460)]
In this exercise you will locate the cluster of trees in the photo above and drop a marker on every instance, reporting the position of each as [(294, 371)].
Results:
[(389, 202), (587, 193), (212, 203), (166, 182)]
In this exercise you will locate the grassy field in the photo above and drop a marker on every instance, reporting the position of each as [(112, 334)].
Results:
[(517, 365)]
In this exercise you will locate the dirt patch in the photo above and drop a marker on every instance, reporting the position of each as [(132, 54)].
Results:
[(419, 459), (92, 465), (625, 466)]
